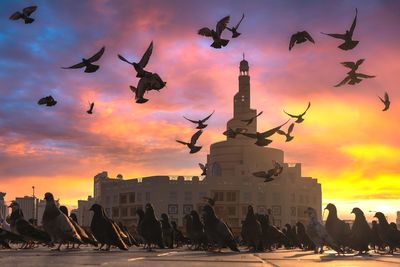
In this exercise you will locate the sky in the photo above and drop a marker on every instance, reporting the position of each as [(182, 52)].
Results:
[(346, 141)]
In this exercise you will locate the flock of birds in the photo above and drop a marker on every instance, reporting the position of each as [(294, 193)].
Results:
[(205, 231)]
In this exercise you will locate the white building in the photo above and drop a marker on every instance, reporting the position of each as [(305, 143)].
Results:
[(83, 213), (229, 177), (28, 205)]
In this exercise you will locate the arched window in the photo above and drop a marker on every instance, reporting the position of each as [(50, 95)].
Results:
[(216, 169)]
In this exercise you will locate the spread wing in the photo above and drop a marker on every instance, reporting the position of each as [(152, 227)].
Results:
[(206, 118), (349, 64), (293, 116), (261, 112), (146, 56), (361, 75), (280, 132), (292, 41), (272, 131), (181, 142), (124, 59), (76, 66), (260, 174), (346, 80), (17, 15), (251, 135), (29, 10), (309, 104), (290, 129), (353, 25), (98, 55), (237, 25), (386, 97), (308, 37), (202, 166), (335, 35), (205, 32), (221, 25), (196, 136), (359, 62), (190, 120)]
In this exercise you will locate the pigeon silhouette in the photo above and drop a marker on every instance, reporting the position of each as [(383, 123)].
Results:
[(87, 63), (151, 228), (353, 77), (216, 34), (147, 83), (349, 43), (262, 137), (192, 145), (251, 230), (48, 101), (389, 236), (234, 31), (195, 230), (300, 37), (385, 101), (299, 118), (250, 121), (336, 228), (233, 133), (90, 110), (200, 123), (287, 135), (361, 233), (211, 201), (167, 231), (25, 15), (139, 67), (203, 167), (268, 175)]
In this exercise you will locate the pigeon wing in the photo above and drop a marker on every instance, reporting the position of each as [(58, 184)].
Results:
[(202, 166), (76, 66), (206, 118), (29, 10), (290, 129), (353, 25), (124, 59), (261, 112), (221, 25), (260, 174), (309, 105), (280, 132), (293, 116), (308, 37), (17, 15), (205, 32), (345, 80), (349, 64), (98, 55), (361, 75), (190, 120), (146, 56), (386, 97), (335, 35), (272, 131), (292, 41), (196, 136), (237, 25), (181, 142), (251, 135), (359, 62)]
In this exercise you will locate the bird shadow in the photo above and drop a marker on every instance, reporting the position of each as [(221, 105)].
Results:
[(299, 255)]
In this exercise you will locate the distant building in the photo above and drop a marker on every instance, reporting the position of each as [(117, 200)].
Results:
[(398, 219), (83, 213), (229, 178), (28, 205), (3, 206)]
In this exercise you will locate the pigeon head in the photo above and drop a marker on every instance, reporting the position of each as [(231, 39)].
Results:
[(48, 196), (149, 210), (250, 209), (96, 208), (374, 223), (14, 205), (64, 210), (330, 207), (288, 226), (73, 217), (164, 217), (357, 212), (381, 217), (208, 212)]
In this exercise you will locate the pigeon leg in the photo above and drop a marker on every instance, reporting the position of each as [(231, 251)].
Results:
[(58, 248)]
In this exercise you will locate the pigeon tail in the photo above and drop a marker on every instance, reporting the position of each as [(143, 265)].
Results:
[(235, 34), (216, 45), (29, 20), (224, 42), (348, 45), (195, 149), (91, 68)]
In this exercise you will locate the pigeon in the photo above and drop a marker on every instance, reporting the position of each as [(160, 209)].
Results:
[(87, 63), (251, 230), (262, 137), (300, 37), (217, 231), (268, 175), (140, 214), (200, 123), (147, 83), (376, 241), (361, 233), (93, 240), (203, 167), (82, 234), (271, 235), (104, 229), (193, 140), (139, 67), (22, 227), (178, 236), (292, 236), (130, 240), (216, 35), (25, 15), (57, 224), (303, 238), (388, 235), (317, 233), (234, 29), (349, 43), (353, 77), (233, 133), (196, 231), (151, 228), (123, 234), (90, 110), (48, 101), (250, 121), (167, 231), (287, 135), (385, 101), (7, 236), (336, 228), (299, 117)]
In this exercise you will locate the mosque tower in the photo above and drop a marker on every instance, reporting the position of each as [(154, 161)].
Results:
[(241, 103)]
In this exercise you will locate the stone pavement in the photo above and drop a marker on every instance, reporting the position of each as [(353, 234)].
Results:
[(43, 257)]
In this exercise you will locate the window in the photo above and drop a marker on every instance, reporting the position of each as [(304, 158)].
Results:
[(115, 212), (219, 196), (132, 197), (187, 208), (173, 209), (244, 211), (173, 196), (133, 211), (231, 211), (301, 199), (147, 196), (247, 197), (188, 196), (115, 199), (261, 197), (202, 194), (216, 169), (124, 212), (276, 210), (292, 197), (276, 196), (139, 197), (123, 198), (231, 196), (293, 211), (108, 200)]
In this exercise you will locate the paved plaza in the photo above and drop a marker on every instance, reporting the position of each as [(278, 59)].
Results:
[(43, 257)]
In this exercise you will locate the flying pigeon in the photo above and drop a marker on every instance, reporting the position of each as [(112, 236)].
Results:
[(216, 35), (299, 117), (234, 29), (90, 110), (353, 77), (203, 167), (300, 37), (268, 175), (287, 135), (193, 140), (147, 83), (317, 233), (250, 121), (25, 15), (233, 133), (262, 137), (48, 101), (57, 224), (349, 43), (200, 123), (87, 63), (385, 101), (139, 67), (104, 229)]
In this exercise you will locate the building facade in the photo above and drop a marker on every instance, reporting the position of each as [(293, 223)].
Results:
[(229, 178), (3, 207)]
